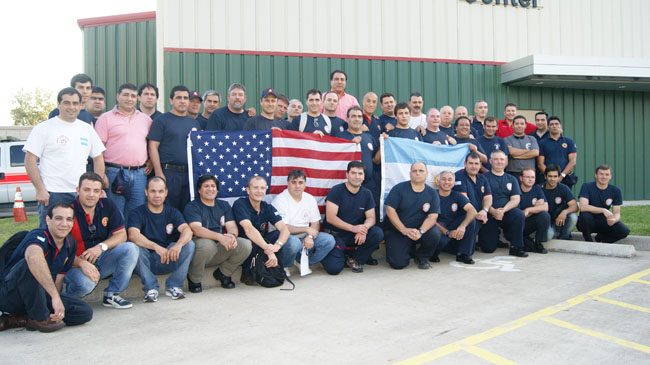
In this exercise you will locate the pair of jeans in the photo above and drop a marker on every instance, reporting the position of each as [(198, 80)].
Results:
[(323, 244), (54, 198), (149, 266), (136, 181), (118, 262), (565, 230)]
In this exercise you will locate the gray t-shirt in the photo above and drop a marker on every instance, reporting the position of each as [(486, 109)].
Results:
[(524, 143)]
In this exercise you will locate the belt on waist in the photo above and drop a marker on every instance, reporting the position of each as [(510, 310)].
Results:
[(109, 164), (172, 167)]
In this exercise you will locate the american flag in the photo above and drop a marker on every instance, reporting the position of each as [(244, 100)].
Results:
[(233, 157)]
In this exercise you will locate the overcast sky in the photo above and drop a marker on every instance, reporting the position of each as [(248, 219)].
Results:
[(43, 43)]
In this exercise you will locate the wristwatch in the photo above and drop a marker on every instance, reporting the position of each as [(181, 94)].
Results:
[(563, 174), (310, 236), (421, 232), (103, 246), (280, 243)]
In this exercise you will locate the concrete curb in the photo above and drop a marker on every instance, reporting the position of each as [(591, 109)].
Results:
[(640, 243), (591, 248)]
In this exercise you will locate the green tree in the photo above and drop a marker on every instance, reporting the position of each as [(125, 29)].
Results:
[(31, 107)]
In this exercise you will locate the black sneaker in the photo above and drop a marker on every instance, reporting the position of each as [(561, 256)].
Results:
[(434, 259), (529, 244), (354, 265), (194, 287), (226, 281), (423, 264), (501, 244), (539, 248), (372, 261), (464, 258), (517, 252)]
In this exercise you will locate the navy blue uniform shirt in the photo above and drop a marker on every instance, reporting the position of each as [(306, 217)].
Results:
[(530, 198), (313, 124), (492, 144), (431, 137), (213, 218), (374, 126), (601, 198), (224, 120), (503, 187), (352, 207), (451, 207), (59, 261), (368, 149), (556, 152), (475, 191), (161, 228), (106, 220), (408, 133), (242, 209), (259, 123), (558, 199), (171, 131), (537, 137), (471, 141), (203, 121), (449, 130), (338, 126), (384, 120), (412, 207), (477, 127)]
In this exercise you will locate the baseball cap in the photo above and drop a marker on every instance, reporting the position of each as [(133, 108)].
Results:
[(267, 92), (195, 94)]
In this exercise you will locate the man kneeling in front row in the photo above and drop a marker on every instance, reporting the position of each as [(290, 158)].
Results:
[(456, 221), (31, 280), (215, 231), (165, 242)]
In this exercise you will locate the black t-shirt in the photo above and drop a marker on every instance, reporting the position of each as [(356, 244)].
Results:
[(203, 121), (369, 148), (530, 198), (438, 136), (171, 131), (408, 133), (313, 124), (451, 208), (213, 218), (161, 228), (352, 207), (502, 187), (606, 198), (243, 210), (224, 120), (259, 123), (558, 199)]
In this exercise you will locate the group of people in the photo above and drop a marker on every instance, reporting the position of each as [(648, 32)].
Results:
[(114, 198)]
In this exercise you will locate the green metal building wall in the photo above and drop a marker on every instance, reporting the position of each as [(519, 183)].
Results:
[(609, 127), (120, 53)]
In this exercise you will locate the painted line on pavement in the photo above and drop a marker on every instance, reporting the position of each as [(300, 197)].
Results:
[(513, 325), (623, 304), (488, 356), (599, 335)]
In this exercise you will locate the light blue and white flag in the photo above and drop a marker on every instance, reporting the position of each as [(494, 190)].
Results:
[(398, 154)]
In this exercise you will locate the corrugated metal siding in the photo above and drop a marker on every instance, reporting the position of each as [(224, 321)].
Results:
[(443, 29), (608, 127), (116, 54)]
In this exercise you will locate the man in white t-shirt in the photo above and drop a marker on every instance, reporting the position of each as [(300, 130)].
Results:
[(299, 211), (63, 144), (418, 119)]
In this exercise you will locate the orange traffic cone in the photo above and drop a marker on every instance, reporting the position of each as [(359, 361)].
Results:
[(19, 207)]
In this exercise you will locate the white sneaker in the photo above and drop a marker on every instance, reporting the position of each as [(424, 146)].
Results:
[(151, 296), (286, 271), (175, 293)]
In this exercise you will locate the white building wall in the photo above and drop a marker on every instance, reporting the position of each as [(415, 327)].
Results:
[(441, 29)]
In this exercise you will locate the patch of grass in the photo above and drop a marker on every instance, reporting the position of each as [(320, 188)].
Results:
[(8, 227), (637, 219)]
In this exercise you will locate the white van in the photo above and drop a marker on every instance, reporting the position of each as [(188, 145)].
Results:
[(13, 174)]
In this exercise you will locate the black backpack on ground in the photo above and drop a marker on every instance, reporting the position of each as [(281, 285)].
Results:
[(268, 277), (10, 246)]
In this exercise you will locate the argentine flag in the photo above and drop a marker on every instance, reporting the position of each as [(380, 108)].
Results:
[(398, 154)]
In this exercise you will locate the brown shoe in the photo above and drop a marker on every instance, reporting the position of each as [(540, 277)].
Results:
[(248, 280), (354, 265), (8, 321), (47, 325)]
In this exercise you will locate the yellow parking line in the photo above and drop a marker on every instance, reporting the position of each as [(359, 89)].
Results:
[(510, 326), (642, 281), (488, 356), (602, 336), (623, 304)]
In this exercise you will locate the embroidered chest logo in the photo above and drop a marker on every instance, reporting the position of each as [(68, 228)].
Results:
[(169, 228), (426, 207)]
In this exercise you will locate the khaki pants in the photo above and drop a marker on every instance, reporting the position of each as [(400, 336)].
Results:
[(209, 253)]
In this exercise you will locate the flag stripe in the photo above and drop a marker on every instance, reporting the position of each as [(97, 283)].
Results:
[(305, 153), (280, 171)]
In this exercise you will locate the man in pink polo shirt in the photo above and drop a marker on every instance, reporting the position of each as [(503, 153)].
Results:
[(338, 80), (124, 130)]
